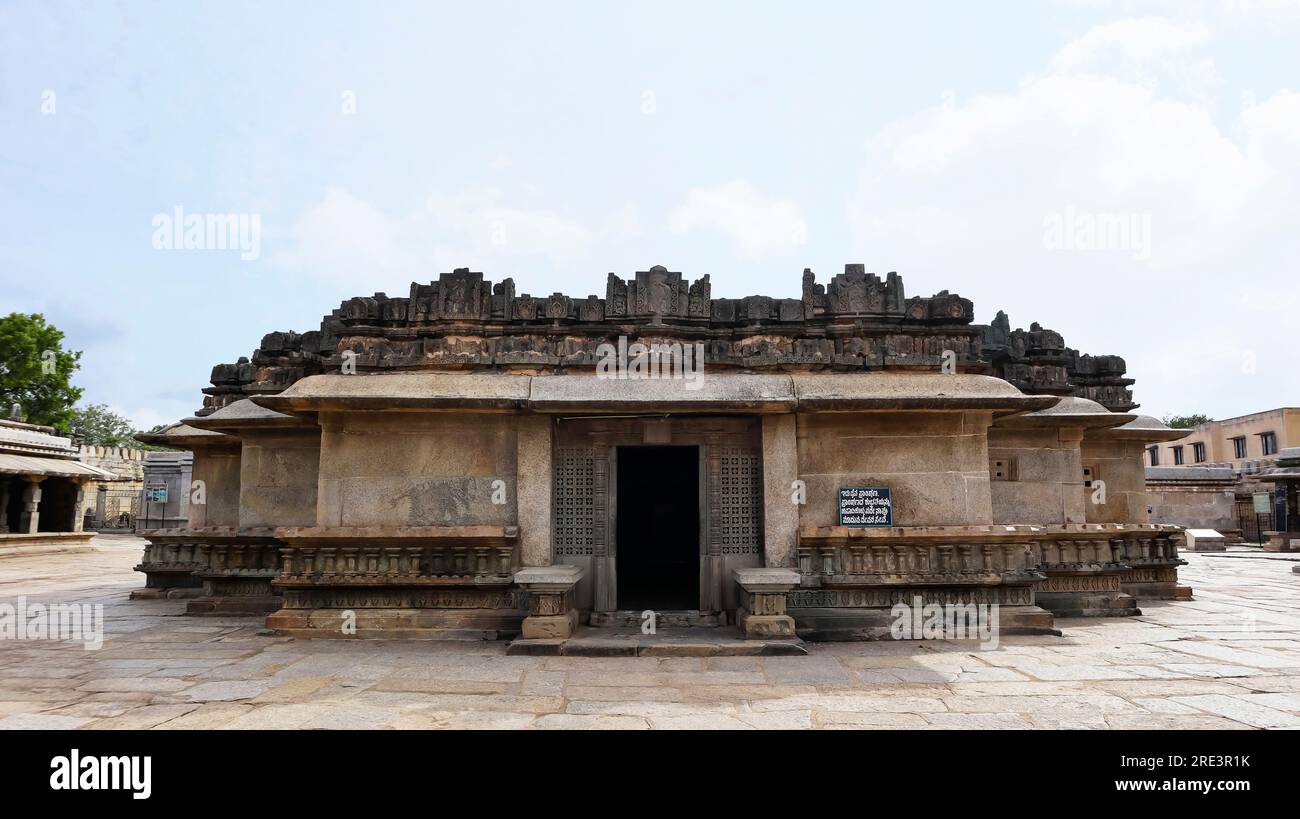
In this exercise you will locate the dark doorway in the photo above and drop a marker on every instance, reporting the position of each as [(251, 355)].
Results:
[(13, 510), (58, 505), (658, 527)]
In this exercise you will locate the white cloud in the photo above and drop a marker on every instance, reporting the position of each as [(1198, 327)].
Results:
[(967, 188), (345, 238), (1139, 40), (147, 418), (490, 227), (759, 225), (1256, 9)]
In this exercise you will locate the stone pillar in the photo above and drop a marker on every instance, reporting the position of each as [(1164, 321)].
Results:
[(31, 519), (762, 611), (78, 498), (551, 614), (101, 504), (1074, 495), (4, 504), (534, 474), (780, 471)]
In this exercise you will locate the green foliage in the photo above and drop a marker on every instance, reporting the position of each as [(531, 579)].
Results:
[(97, 425), (35, 370), (1186, 421)]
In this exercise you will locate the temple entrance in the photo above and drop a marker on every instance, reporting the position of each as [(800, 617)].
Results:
[(657, 512), (658, 503)]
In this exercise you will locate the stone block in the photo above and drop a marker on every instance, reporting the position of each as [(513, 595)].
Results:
[(1205, 540)]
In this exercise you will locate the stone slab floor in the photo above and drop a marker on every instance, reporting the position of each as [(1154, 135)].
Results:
[(1228, 659)]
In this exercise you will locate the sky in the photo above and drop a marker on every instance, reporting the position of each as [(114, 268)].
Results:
[(1127, 174)]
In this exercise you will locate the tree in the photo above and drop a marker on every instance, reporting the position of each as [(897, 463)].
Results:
[(97, 425), (1186, 421), (35, 370), (138, 444)]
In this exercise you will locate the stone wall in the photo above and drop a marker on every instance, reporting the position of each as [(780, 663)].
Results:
[(416, 469), (219, 469), (278, 477), (125, 462), (1120, 465), (1036, 475), (1195, 497), (936, 464), (122, 461)]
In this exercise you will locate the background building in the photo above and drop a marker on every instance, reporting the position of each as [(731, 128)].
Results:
[(1240, 442), (42, 488), (1192, 479)]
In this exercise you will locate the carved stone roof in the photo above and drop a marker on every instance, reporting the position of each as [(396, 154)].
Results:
[(184, 436), (1143, 428), (855, 322), (241, 415), (1070, 412)]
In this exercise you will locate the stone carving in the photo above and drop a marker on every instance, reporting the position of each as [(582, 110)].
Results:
[(700, 300), (615, 296), (856, 321), (1037, 361)]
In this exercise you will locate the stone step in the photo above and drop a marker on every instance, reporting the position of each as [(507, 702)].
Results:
[(663, 619), (724, 641)]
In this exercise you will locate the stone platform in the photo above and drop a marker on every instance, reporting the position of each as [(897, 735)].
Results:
[(723, 641), (15, 544), (1230, 659)]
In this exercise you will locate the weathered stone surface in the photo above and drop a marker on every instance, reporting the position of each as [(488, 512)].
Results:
[(856, 321)]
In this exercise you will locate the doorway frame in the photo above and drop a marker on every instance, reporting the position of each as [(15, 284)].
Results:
[(701, 512), (601, 436)]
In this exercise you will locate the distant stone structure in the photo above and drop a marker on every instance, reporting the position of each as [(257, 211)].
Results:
[(113, 505), (170, 471), (42, 489), (470, 461), (1195, 497), (1285, 476)]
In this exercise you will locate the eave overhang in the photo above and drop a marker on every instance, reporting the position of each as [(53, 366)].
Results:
[(706, 393)]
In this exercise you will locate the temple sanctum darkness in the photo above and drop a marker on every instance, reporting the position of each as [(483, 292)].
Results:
[(470, 462)]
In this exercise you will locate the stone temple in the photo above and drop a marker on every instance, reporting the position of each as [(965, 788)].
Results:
[(468, 461)]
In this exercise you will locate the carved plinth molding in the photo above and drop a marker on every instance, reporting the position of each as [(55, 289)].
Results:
[(399, 557)]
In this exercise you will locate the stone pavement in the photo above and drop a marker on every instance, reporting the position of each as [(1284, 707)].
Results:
[(1228, 659)]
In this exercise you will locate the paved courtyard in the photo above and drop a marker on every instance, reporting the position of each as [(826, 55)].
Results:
[(1228, 659)]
